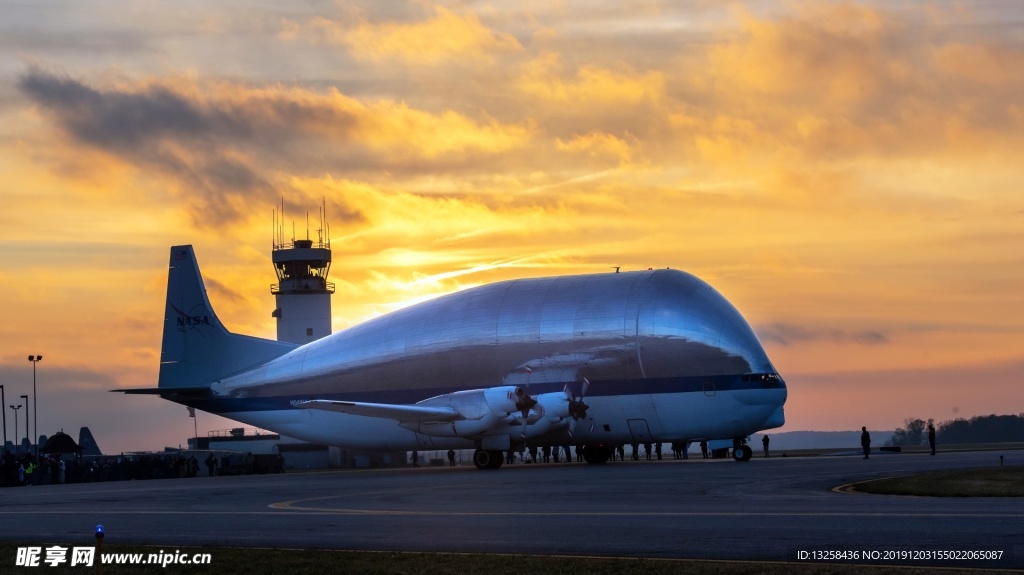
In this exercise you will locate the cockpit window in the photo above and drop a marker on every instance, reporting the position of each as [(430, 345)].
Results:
[(768, 380)]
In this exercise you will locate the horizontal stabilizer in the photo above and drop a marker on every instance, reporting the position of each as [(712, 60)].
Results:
[(401, 413), (175, 391)]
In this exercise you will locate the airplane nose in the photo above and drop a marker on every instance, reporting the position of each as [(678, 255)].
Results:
[(776, 419)]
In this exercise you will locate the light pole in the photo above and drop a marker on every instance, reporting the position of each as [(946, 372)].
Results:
[(27, 436), (2, 402), (15, 408), (35, 401)]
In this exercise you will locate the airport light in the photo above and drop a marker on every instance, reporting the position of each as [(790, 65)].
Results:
[(29, 438), (35, 401), (15, 408)]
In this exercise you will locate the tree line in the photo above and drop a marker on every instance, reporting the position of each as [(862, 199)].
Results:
[(978, 429)]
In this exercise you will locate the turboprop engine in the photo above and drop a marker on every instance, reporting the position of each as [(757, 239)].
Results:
[(550, 412), (479, 411)]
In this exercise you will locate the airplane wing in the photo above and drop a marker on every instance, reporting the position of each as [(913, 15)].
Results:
[(401, 413), (177, 391)]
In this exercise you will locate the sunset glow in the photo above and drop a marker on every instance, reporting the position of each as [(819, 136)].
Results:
[(848, 174)]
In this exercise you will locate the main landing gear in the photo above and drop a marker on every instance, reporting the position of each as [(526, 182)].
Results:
[(488, 459), (596, 454)]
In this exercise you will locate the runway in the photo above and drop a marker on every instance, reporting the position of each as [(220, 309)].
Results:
[(766, 509)]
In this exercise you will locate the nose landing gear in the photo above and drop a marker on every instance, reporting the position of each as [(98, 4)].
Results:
[(741, 451)]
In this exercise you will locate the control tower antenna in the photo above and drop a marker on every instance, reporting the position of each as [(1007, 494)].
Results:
[(303, 293)]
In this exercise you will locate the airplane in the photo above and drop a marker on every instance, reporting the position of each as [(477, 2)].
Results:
[(594, 360), (88, 443)]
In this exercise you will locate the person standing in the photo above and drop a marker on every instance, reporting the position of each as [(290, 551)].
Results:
[(415, 458), (451, 458), (931, 437), (865, 441), (764, 442)]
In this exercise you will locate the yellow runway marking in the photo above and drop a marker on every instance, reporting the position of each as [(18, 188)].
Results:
[(301, 505)]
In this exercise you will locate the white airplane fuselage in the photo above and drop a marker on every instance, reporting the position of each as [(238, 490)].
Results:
[(665, 356)]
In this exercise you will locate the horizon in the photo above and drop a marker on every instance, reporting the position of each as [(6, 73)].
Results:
[(846, 174)]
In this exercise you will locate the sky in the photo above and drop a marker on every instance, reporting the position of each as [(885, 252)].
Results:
[(850, 175)]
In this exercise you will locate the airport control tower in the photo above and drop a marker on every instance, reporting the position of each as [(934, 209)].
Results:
[(303, 293)]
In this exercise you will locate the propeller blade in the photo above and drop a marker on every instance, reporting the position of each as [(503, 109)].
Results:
[(578, 409), (523, 401)]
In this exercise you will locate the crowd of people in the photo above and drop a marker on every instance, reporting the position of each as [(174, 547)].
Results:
[(567, 453), (51, 469)]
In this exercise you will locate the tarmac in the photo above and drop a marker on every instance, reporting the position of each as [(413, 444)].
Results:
[(767, 509)]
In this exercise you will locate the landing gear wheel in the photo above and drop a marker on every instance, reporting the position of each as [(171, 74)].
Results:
[(742, 453), (487, 459), (596, 454)]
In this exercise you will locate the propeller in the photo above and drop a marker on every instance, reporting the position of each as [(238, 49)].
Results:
[(525, 403), (578, 409)]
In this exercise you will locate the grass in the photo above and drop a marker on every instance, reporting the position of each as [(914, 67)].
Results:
[(232, 561), (988, 482)]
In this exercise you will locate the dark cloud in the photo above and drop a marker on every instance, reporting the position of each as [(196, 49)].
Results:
[(124, 120), (789, 334), (223, 291), (158, 129)]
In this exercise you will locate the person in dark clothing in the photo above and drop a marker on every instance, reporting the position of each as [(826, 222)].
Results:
[(451, 458), (764, 442), (704, 448), (865, 441), (931, 437)]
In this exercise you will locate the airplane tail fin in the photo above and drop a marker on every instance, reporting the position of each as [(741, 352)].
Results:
[(87, 442), (197, 349)]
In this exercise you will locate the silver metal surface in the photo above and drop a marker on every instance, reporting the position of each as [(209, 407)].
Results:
[(625, 326)]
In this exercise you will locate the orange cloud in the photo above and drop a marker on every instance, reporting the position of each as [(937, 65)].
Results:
[(829, 54), (543, 78), (445, 37), (597, 144)]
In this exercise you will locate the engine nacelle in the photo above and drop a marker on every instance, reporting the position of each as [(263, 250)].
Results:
[(480, 410), (551, 412), (554, 406)]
